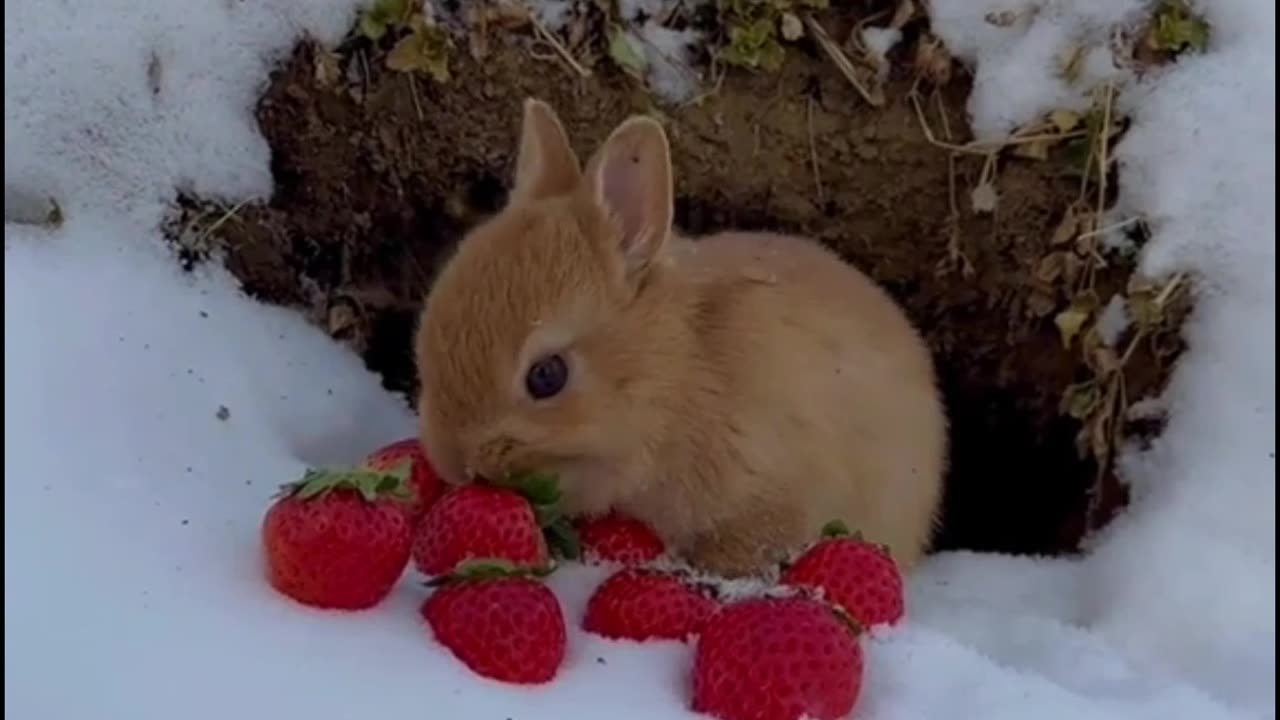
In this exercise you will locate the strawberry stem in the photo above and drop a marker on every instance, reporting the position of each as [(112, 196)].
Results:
[(847, 619)]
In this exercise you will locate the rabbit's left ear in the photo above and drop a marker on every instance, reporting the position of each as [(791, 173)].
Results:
[(546, 164), (630, 178)]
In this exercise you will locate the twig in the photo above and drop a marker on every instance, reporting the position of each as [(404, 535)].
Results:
[(813, 152), (213, 226), (560, 49), (1103, 148), (413, 93), (1110, 228), (985, 148), (841, 61)]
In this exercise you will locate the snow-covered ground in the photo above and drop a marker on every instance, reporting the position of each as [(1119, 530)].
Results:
[(132, 574)]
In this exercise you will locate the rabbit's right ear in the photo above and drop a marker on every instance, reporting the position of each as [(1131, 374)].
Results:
[(546, 164)]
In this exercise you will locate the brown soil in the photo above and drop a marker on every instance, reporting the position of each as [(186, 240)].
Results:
[(378, 175)]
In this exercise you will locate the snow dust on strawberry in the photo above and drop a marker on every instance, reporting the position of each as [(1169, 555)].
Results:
[(639, 604), (338, 539)]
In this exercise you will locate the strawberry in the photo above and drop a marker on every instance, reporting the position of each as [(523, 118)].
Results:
[(777, 658), (638, 604), (619, 539), (423, 478), (505, 627), (338, 538), (478, 522), (857, 575)]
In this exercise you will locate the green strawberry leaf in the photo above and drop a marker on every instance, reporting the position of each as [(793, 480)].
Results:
[(835, 529), (372, 485), (546, 515), (563, 539), (540, 488), (477, 569)]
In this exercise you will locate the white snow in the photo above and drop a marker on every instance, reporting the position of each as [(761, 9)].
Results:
[(133, 585), (1113, 320)]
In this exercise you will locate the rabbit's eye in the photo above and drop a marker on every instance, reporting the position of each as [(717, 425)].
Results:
[(546, 377)]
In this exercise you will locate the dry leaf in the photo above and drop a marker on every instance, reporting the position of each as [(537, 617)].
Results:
[(343, 318), (905, 11), (1069, 322), (984, 197), (1064, 120), (1034, 150), (1068, 228), (1072, 63), (510, 15), (933, 61), (1051, 267), (328, 69), (1080, 400), (791, 27)]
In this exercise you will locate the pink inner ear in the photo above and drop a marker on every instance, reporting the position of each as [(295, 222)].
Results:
[(623, 188)]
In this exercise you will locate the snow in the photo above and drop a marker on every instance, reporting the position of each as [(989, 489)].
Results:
[(133, 584)]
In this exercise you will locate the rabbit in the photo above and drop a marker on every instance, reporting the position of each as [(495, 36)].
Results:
[(735, 392)]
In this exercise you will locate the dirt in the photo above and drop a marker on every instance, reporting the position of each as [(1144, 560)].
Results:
[(379, 173)]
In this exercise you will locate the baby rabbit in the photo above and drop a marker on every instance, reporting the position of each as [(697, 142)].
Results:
[(736, 392)]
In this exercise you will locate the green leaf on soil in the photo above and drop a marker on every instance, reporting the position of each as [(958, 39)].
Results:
[(382, 16), (425, 49), (626, 51), (1080, 400), (1175, 28)]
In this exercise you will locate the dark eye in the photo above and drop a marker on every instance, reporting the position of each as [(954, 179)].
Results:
[(546, 377)]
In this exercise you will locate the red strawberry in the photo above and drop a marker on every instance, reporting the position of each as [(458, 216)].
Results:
[(638, 604), (619, 539), (479, 522), (773, 658), (506, 628), (338, 538), (857, 575), (426, 482)]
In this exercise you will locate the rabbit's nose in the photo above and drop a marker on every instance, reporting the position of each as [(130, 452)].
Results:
[(491, 459)]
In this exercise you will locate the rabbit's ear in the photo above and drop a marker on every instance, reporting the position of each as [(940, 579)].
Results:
[(546, 164), (630, 177)]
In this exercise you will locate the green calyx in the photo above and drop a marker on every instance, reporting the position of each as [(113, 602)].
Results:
[(835, 529), (542, 490), (479, 569), (372, 485)]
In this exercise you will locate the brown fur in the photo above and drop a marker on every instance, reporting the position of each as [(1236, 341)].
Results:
[(737, 392)]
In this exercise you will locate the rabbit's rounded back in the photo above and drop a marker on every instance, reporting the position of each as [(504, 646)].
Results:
[(736, 392)]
